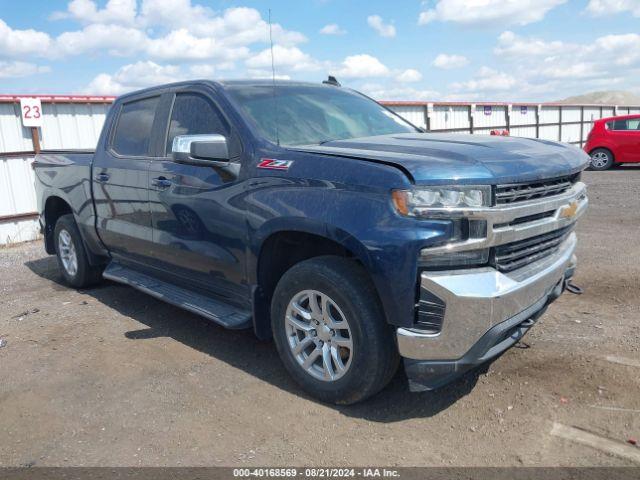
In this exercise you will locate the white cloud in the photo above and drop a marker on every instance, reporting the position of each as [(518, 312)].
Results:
[(409, 76), (284, 57), (546, 67), (262, 74), (621, 50), (580, 70), (14, 69), (512, 45), (171, 30), (599, 8), (181, 45), (134, 76), (114, 39), (487, 80), (332, 29), (382, 92), (15, 43), (384, 29), (202, 70), (87, 11), (513, 12), (361, 66), (447, 62), (174, 13), (236, 26), (599, 55)]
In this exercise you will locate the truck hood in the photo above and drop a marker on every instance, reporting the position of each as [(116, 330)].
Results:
[(429, 158)]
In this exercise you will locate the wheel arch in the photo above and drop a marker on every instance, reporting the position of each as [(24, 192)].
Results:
[(54, 208), (279, 249)]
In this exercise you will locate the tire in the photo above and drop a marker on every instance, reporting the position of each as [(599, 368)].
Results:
[(601, 159), (356, 317), (69, 246)]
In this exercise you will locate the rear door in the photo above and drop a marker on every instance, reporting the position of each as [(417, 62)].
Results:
[(121, 180), (198, 233)]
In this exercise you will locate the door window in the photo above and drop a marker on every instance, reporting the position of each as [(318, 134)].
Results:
[(132, 135), (625, 125), (633, 124), (193, 114)]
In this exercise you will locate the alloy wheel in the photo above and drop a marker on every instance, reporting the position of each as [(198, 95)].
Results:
[(599, 159), (68, 254), (319, 335)]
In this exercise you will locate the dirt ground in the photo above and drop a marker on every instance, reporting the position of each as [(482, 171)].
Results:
[(110, 376)]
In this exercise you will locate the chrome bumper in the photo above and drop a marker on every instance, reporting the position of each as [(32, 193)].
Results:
[(479, 299)]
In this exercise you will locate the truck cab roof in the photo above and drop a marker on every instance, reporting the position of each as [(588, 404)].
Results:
[(221, 84)]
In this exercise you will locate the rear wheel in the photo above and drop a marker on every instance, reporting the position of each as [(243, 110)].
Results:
[(330, 332), (72, 256), (601, 159)]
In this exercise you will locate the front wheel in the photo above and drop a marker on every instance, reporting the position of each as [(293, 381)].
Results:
[(601, 159), (330, 332)]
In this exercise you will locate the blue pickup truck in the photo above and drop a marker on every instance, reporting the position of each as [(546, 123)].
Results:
[(322, 220)]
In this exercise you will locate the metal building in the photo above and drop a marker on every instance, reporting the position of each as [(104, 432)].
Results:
[(564, 123), (75, 122), (67, 122)]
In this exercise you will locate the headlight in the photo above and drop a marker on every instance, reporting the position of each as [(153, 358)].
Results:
[(417, 202)]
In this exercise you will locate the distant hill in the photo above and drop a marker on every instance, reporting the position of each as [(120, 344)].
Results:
[(611, 97)]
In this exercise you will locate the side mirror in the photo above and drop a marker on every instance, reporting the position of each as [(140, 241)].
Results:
[(202, 150)]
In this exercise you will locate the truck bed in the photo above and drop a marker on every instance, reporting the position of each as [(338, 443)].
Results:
[(66, 175)]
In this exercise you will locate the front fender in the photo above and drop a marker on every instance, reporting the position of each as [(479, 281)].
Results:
[(361, 219), (310, 226)]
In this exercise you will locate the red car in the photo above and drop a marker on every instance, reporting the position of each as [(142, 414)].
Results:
[(613, 141)]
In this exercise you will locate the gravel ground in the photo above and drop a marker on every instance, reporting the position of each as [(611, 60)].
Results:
[(110, 376)]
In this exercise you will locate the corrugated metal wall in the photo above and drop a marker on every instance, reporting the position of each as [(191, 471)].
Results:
[(67, 123), (75, 122), (565, 123)]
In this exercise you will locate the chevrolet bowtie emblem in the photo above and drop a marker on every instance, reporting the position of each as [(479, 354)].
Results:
[(569, 211)]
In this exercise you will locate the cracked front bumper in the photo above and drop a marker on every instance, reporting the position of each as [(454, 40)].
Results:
[(487, 312)]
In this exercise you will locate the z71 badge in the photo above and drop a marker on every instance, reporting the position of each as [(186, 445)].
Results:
[(273, 164)]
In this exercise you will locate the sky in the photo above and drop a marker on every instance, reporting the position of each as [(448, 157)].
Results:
[(439, 50)]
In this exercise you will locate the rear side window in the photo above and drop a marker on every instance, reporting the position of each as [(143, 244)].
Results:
[(631, 124), (132, 135), (620, 125), (193, 114)]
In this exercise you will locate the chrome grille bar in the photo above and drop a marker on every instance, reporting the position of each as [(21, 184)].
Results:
[(520, 192), (512, 256)]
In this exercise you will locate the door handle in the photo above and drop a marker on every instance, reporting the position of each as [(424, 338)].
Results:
[(161, 183), (102, 177)]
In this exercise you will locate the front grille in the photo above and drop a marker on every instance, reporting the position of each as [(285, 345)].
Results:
[(511, 256), (520, 192)]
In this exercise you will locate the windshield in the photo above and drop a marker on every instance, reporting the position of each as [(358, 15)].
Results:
[(310, 115)]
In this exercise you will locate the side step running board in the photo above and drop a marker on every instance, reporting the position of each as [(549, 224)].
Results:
[(219, 312)]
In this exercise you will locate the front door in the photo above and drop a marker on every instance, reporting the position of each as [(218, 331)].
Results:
[(121, 181), (199, 237)]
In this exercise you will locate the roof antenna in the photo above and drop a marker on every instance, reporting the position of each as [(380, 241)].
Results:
[(273, 82)]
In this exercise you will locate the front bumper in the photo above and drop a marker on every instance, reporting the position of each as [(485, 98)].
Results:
[(487, 311)]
